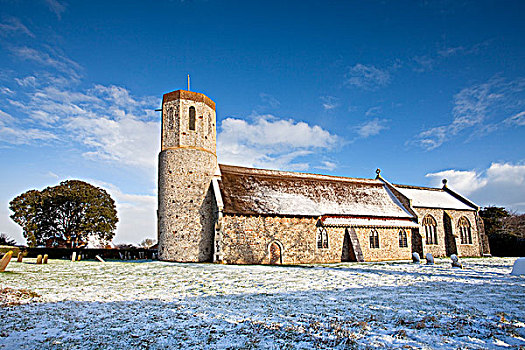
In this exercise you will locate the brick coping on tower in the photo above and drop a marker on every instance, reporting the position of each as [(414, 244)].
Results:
[(188, 95)]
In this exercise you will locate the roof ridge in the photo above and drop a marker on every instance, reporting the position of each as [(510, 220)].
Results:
[(281, 173), (419, 187)]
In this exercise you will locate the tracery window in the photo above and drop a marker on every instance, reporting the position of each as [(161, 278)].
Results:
[(374, 239), (430, 230), (403, 241), (192, 118), (465, 232), (322, 237)]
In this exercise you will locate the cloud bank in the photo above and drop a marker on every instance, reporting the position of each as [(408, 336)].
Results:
[(270, 142), (478, 110), (502, 184)]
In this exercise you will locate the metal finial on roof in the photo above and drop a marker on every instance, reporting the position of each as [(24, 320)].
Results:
[(444, 182), (378, 171)]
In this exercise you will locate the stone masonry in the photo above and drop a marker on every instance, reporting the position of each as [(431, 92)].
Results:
[(246, 240), (187, 163), (440, 250)]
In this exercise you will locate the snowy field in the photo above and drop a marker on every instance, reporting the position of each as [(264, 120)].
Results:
[(157, 305)]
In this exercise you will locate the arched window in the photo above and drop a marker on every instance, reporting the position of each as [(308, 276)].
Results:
[(403, 241), (322, 237), (430, 230), (464, 230), (192, 118), (374, 239)]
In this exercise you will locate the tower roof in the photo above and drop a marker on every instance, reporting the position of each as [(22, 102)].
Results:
[(188, 95)]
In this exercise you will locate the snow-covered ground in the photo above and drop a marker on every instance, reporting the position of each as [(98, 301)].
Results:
[(157, 305)]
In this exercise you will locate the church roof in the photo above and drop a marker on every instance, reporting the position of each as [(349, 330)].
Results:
[(270, 192), (426, 197)]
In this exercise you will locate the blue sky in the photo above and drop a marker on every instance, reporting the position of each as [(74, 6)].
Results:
[(424, 90)]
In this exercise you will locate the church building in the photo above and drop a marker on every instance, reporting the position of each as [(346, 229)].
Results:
[(210, 212)]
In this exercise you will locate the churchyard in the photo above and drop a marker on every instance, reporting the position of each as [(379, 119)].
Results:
[(159, 305)]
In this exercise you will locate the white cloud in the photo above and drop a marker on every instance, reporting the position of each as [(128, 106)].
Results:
[(111, 124), (464, 181), (450, 51), (463, 50), (481, 109), (127, 141), (367, 77), (327, 165), (372, 127), (14, 25), (53, 175), (56, 7), (18, 136), (518, 119), (270, 142), (11, 133), (422, 64), (269, 100), (6, 91), (372, 111), (502, 184), (6, 118), (330, 102), (49, 59)]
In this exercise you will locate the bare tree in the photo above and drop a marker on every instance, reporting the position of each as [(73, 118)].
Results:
[(147, 243), (6, 240)]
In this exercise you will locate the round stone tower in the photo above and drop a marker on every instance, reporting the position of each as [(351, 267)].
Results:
[(187, 163)]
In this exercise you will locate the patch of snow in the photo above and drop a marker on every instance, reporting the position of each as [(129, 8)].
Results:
[(159, 305), (289, 203), (433, 199)]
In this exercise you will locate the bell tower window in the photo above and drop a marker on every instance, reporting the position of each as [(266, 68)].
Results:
[(192, 118)]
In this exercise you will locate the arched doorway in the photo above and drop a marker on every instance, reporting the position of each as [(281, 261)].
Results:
[(275, 254)]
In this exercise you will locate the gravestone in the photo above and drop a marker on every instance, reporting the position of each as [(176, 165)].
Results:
[(45, 259), (415, 258), (39, 259), (455, 261), (430, 259), (5, 260), (519, 267)]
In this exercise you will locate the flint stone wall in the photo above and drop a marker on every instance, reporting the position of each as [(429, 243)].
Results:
[(246, 240), (186, 215), (439, 250), (175, 123)]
